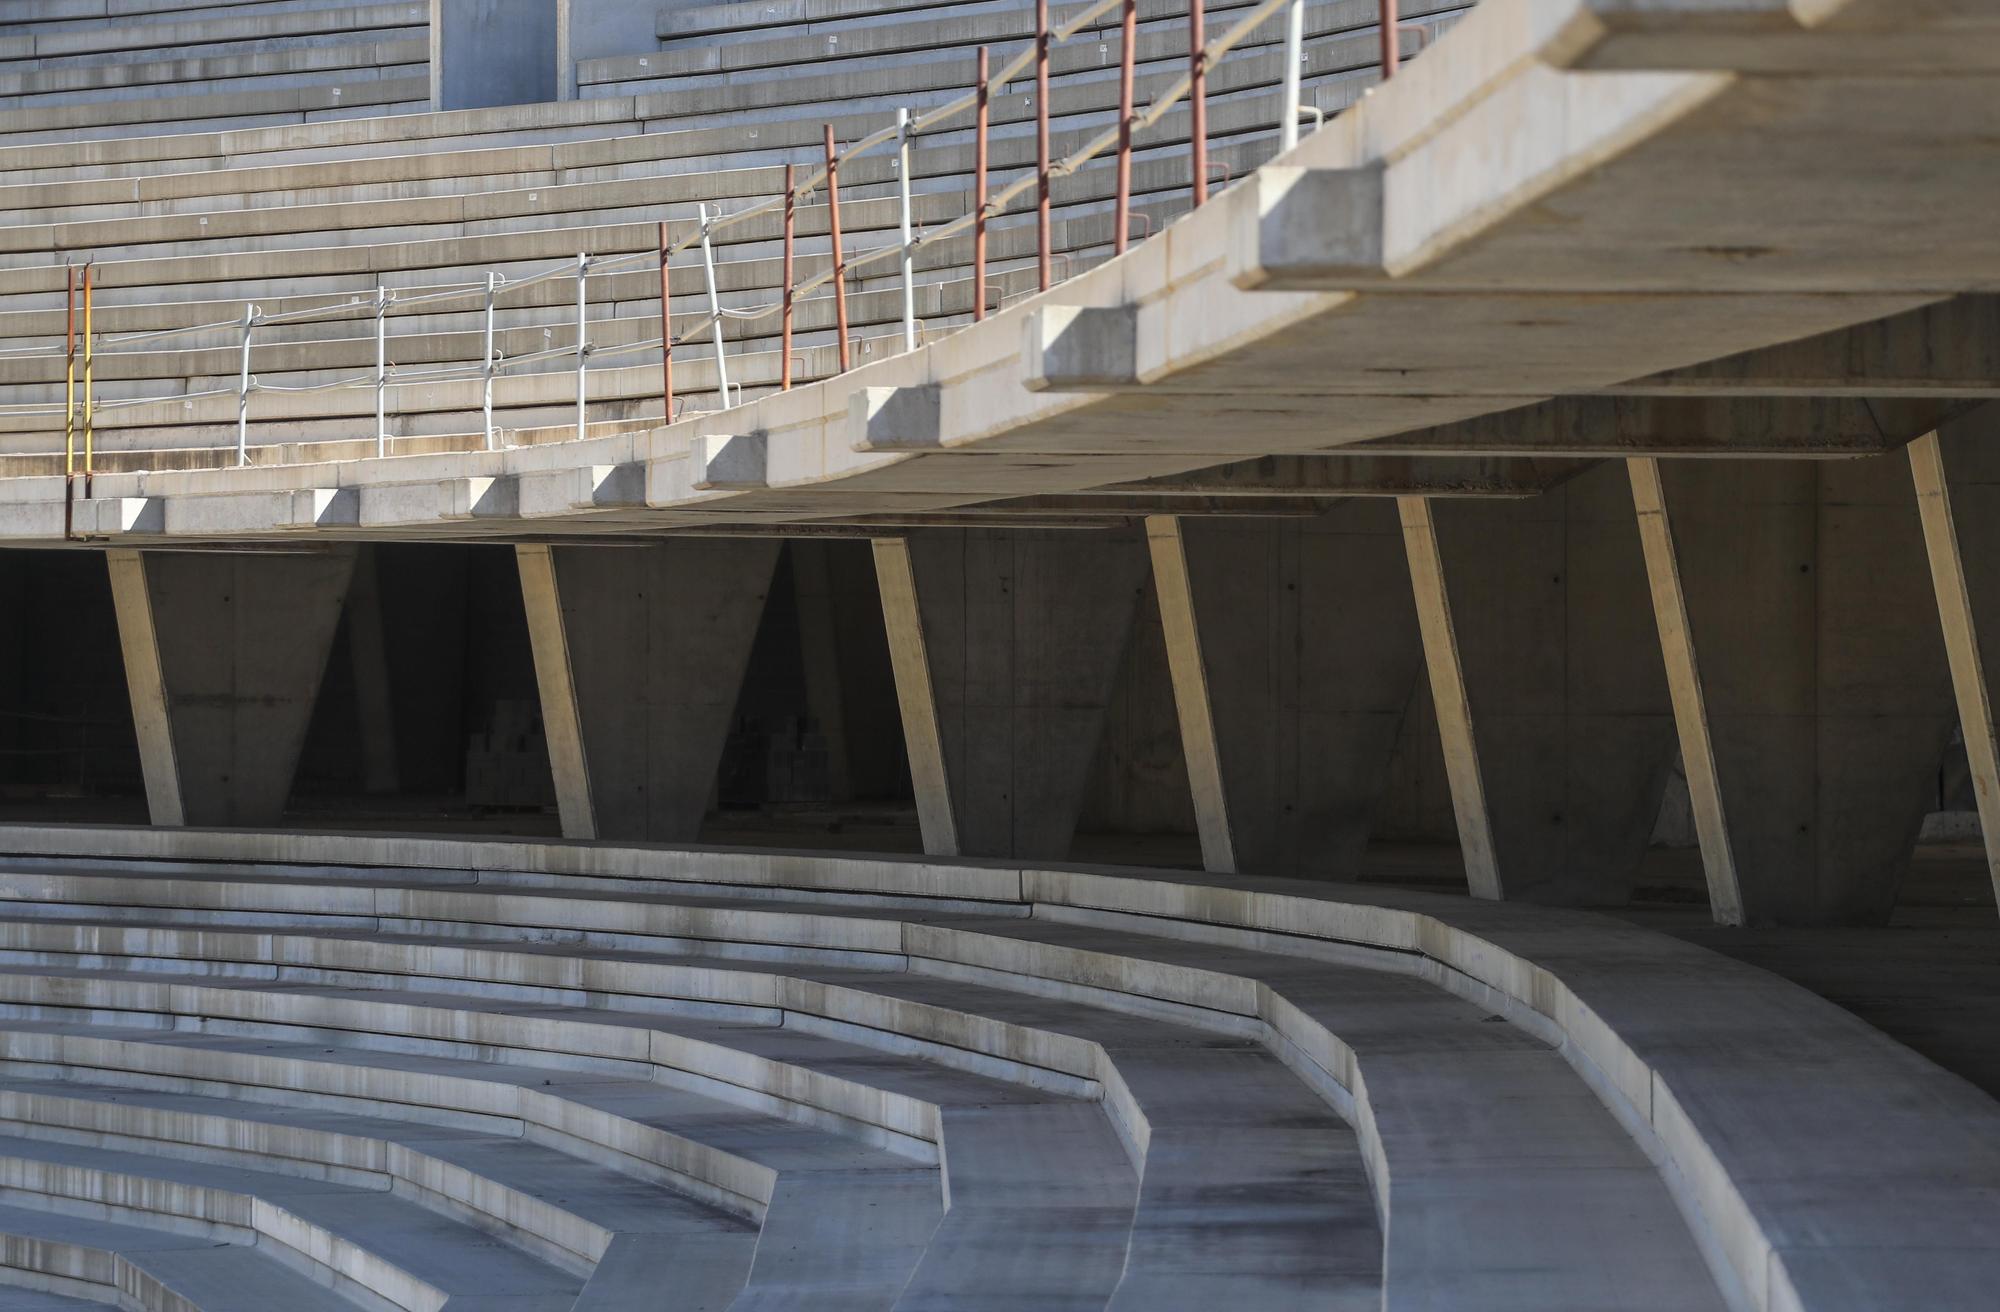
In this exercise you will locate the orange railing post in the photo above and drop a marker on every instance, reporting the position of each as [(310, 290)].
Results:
[(1122, 211), (1197, 101), (785, 330), (839, 265), (1392, 52), (981, 114), (1042, 267)]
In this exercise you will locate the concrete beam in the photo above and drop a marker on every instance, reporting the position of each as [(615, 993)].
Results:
[(224, 656), (1808, 668), (1296, 229), (1957, 482), (1076, 348), (1942, 351), (1365, 476), (1294, 652), (895, 419), (730, 463), (1591, 426)]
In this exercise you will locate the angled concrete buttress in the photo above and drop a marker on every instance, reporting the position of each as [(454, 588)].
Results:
[(640, 654), (1957, 475), (223, 657), (1005, 644), (1809, 677), (1294, 651), (1553, 710)]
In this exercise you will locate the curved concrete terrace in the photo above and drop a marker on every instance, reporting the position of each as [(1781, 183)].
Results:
[(1635, 1113)]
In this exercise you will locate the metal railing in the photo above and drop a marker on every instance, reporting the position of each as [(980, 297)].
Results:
[(81, 409)]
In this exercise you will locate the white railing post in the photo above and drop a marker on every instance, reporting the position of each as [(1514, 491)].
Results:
[(492, 285), (714, 308), (1295, 40), (243, 390), (582, 341), (909, 252), (381, 370)]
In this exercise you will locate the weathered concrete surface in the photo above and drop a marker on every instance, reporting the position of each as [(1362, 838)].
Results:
[(1818, 663), (1303, 642), (657, 638), (224, 655), (1025, 632), (1570, 730)]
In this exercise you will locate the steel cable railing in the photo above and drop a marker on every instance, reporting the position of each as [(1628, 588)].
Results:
[(988, 203)]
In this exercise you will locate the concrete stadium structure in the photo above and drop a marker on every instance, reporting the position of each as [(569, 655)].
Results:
[(1372, 692)]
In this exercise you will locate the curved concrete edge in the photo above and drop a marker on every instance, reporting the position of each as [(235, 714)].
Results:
[(151, 1202), (570, 1242), (727, 1181), (1591, 986)]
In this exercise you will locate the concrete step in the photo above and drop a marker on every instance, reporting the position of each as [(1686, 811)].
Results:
[(1431, 1066), (366, 1239), (26, 17), (152, 1270), (159, 116), (111, 40), (569, 1211), (325, 65)]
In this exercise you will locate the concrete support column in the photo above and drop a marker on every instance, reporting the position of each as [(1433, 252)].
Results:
[(1018, 635), (640, 654), (1552, 706), (916, 696), (1957, 476), (1808, 676), (223, 658), (1294, 651), (555, 677), (368, 652)]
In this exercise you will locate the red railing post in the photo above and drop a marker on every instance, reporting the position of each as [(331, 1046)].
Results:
[(1042, 140), (980, 117), (666, 330), (785, 331), (1123, 209), (1198, 101), (1392, 51), (839, 264)]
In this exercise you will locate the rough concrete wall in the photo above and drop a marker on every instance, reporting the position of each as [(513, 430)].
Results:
[(1026, 631), (1310, 640), (1568, 691), (493, 52), (1816, 635), (1139, 782), (243, 644), (659, 637), (878, 768)]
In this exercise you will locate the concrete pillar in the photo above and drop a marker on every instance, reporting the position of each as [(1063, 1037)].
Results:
[(1809, 671), (223, 658), (642, 650), (1295, 651), (1021, 633), (496, 52), (1957, 476), (1551, 701)]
